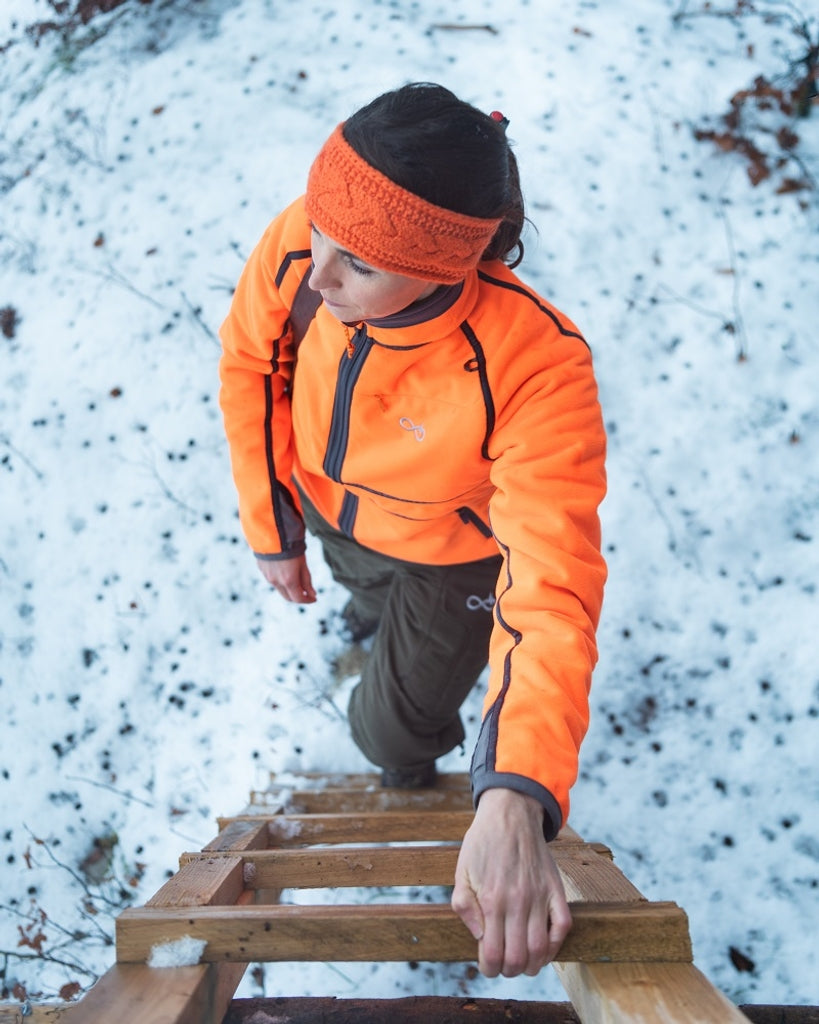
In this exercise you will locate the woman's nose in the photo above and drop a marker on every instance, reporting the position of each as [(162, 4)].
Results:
[(321, 276)]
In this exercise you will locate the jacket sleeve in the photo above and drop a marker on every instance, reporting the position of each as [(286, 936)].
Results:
[(548, 471), (255, 372)]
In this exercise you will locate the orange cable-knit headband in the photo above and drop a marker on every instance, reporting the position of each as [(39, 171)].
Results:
[(385, 225)]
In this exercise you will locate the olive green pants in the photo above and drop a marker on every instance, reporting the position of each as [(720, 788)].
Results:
[(430, 647)]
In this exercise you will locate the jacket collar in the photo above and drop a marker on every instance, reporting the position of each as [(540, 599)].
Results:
[(431, 318), (425, 309)]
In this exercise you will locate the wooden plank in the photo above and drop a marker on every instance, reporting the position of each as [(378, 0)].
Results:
[(334, 801), (389, 932), (240, 835), (33, 1013), (202, 881), (360, 866), (291, 830), (591, 876), (353, 780), (137, 994), (763, 1014), (347, 866), (406, 1010), (621, 993)]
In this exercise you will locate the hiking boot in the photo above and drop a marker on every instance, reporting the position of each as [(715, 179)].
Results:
[(423, 777), (356, 628)]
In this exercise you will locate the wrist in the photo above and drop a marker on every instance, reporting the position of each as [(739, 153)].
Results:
[(509, 804)]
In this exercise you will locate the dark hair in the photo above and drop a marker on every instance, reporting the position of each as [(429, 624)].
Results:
[(441, 148)]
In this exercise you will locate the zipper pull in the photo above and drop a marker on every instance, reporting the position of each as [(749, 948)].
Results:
[(351, 339), (350, 342)]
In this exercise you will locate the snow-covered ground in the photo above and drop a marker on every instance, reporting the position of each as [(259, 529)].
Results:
[(149, 679)]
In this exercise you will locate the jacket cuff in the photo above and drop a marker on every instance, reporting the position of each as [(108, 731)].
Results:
[(294, 550), (483, 779)]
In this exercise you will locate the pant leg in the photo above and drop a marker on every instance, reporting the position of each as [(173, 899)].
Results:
[(430, 649), (365, 573), (431, 646)]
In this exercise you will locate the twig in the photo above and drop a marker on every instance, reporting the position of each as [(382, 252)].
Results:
[(4, 439), (741, 9), (315, 701), (23, 250), (171, 496), (196, 313), (341, 974), (52, 960), (114, 275), (77, 878), (452, 27), (76, 154), (739, 323), (196, 840), (222, 284), (112, 789), (691, 304), (658, 137), (71, 936), (806, 171)]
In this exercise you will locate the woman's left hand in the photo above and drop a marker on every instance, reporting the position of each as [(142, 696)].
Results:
[(290, 577), (508, 891)]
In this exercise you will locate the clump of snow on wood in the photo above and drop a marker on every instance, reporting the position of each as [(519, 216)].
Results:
[(184, 952), (286, 828)]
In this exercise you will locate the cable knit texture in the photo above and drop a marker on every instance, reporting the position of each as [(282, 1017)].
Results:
[(387, 226)]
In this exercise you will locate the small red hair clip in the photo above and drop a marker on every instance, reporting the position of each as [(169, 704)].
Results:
[(496, 115)]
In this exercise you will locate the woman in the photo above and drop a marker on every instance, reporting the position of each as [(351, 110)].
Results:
[(441, 435)]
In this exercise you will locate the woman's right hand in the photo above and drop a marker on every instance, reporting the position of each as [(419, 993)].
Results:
[(290, 577)]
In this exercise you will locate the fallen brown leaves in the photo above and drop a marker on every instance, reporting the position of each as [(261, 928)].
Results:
[(744, 131)]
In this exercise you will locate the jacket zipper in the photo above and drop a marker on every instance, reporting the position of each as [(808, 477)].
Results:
[(349, 369)]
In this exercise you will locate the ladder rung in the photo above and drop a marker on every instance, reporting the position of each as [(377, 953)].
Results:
[(386, 827), (606, 932), (364, 866), (351, 780), (341, 867), (417, 1009), (327, 801)]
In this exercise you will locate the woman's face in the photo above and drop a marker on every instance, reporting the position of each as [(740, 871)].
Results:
[(353, 290)]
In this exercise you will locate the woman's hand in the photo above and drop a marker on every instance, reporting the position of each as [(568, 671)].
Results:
[(290, 577), (508, 891)]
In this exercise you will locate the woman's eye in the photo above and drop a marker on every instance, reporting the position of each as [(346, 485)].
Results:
[(358, 268)]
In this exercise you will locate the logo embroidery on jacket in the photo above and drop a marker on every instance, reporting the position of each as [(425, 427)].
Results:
[(417, 429), (475, 603)]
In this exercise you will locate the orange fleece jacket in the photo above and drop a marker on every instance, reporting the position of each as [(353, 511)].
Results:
[(442, 438)]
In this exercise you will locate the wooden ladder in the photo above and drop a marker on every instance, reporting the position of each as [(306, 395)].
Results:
[(625, 960)]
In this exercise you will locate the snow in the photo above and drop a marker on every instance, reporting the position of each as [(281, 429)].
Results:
[(184, 952), (148, 677)]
